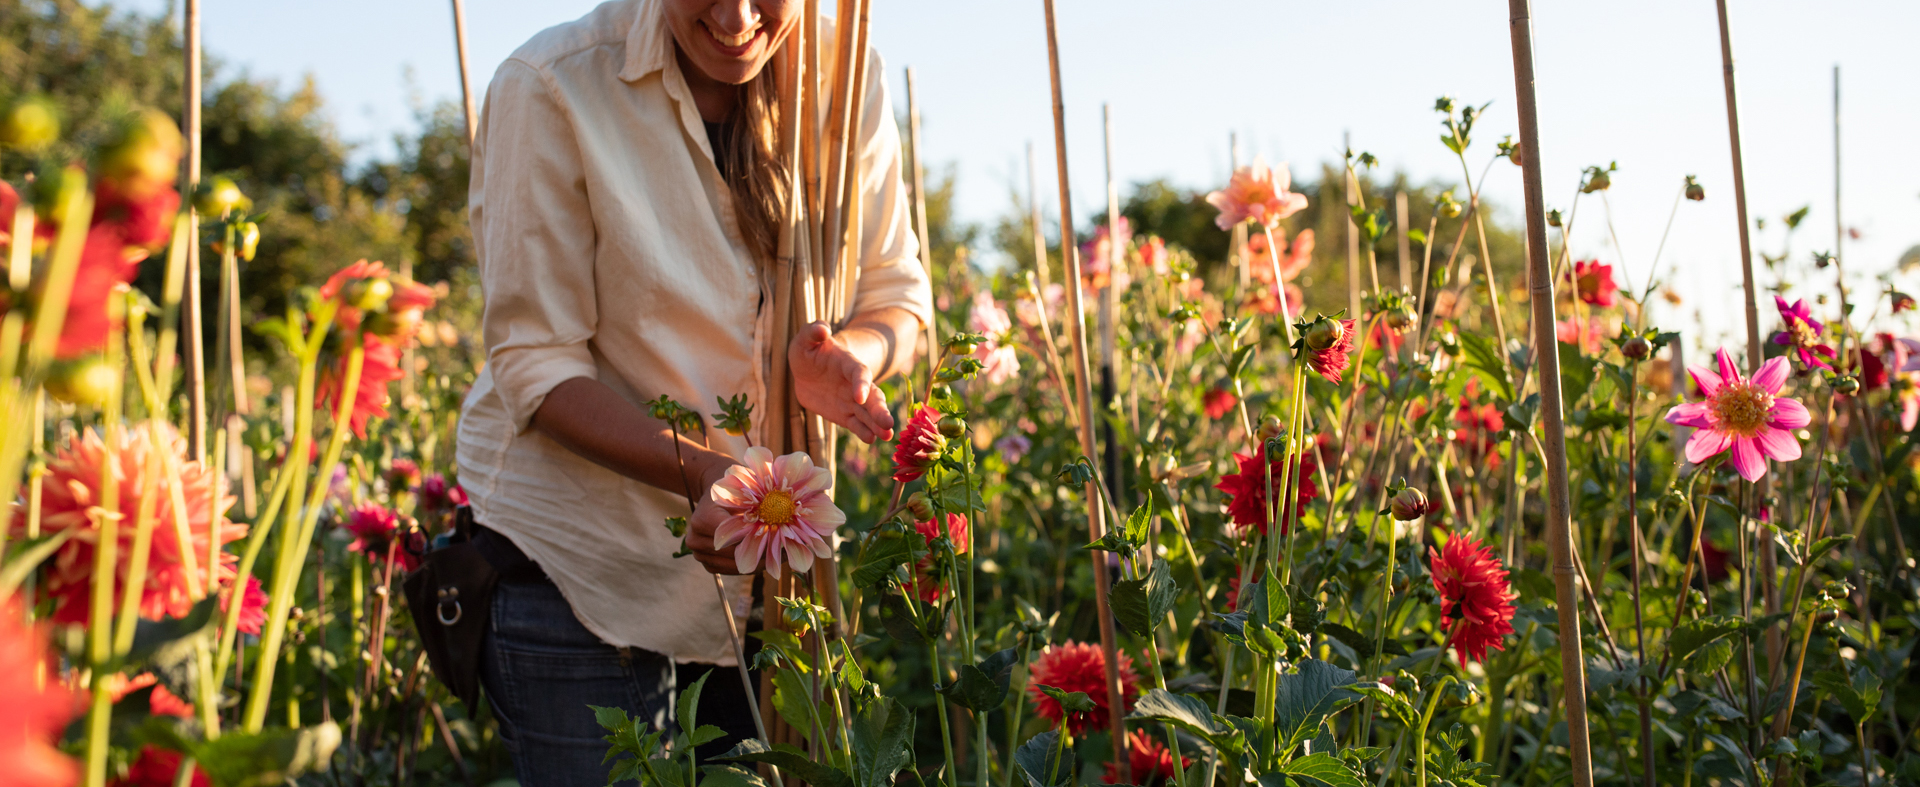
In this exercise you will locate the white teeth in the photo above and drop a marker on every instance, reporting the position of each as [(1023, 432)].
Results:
[(739, 40)]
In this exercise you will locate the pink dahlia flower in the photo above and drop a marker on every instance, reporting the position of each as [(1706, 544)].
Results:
[(1802, 333), (1257, 194), (781, 513), (1750, 417)]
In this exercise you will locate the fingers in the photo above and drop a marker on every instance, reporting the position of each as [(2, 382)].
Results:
[(878, 413)]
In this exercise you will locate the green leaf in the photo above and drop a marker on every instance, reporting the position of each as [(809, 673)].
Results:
[(1692, 635), (268, 757), (33, 553), (1325, 768), (166, 647), (1576, 370), (897, 618), (1239, 361), (1859, 693), (1361, 643), (1141, 604), (790, 759), (1820, 547), (1390, 701), (882, 739), (793, 700), (705, 734), (1484, 359), (729, 776), (1036, 762), (890, 549), (1070, 701), (982, 688), (1188, 712), (1306, 697), (688, 708)]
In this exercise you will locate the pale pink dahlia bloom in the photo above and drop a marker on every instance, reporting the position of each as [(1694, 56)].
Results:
[(1257, 194), (781, 513), (1748, 416)]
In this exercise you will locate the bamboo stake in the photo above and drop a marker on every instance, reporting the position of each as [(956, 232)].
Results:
[(194, 346), (920, 203), (466, 78), (1110, 312), (1076, 327), (1540, 282), (1353, 234), (1237, 245), (1753, 327), (1406, 247)]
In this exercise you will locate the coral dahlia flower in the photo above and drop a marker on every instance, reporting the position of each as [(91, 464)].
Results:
[(34, 708), (1330, 362), (1079, 666), (1257, 194), (379, 367), (1748, 417), (998, 360), (1247, 490), (1476, 603), (1802, 334), (1593, 282), (70, 500), (253, 606), (1148, 759), (920, 445), (926, 586), (780, 512)]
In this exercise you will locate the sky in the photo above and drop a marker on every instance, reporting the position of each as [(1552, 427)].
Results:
[(1636, 82)]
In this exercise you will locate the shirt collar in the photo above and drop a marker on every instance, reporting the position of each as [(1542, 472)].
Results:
[(649, 42)]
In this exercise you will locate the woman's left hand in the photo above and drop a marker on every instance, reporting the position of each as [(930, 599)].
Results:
[(831, 380)]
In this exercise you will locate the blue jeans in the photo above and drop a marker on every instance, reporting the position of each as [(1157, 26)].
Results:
[(541, 669)]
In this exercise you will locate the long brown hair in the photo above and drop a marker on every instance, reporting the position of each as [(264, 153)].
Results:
[(758, 176)]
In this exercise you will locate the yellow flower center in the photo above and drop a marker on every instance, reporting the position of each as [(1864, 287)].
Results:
[(1742, 408), (777, 508), (1803, 335)]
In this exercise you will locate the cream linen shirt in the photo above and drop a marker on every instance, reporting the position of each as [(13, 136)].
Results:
[(608, 249)]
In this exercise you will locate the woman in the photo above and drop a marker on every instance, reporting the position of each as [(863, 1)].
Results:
[(626, 194)]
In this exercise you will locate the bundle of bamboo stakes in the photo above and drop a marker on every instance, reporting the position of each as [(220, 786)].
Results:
[(822, 111)]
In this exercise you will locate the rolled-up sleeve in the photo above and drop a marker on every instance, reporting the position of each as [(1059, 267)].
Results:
[(890, 271), (535, 233)]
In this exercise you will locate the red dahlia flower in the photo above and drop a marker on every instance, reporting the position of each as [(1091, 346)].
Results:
[(70, 501), (1218, 402), (34, 708), (379, 367), (1247, 489), (1476, 604), (373, 527), (1594, 283), (157, 767), (1079, 666), (1148, 759), (920, 445), (253, 606), (1330, 362), (926, 586)]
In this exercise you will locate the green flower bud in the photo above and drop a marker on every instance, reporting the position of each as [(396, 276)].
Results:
[(953, 427), (1694, 191), (1636, 348), (1324, 333), (1410, 504), (219, 196)]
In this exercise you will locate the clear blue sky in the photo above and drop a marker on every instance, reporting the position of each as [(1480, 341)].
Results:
[(1633, 81)]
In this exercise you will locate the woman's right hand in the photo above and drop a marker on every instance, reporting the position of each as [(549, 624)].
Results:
[(707, 518)]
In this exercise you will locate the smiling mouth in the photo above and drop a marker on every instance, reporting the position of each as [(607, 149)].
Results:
[(733, 45)]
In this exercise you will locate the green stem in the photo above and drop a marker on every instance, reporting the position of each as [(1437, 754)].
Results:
[(940, 704), (1420, 735)]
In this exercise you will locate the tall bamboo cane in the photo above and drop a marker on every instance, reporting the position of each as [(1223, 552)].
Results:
[(1076, 327), (1540, 282), (194, 345), (466, 78), (1405, 247), (920, 205), (1040, 263), (1353, 233)]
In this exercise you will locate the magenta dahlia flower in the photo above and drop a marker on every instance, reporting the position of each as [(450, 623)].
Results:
[(781, 513), (1749, 417), (1802, 333)]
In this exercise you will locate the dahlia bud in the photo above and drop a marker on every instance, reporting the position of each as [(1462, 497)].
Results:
[(145, 155), (1694, 191), (367, 294), (1636, 349), (963, 343), (1846, 384), (1597, 180), (953, 428), (1553, 218), (219, 196), (1163, 467), (30, 124), (84, 381), (1409, 505), (1324, 333), (920, 507), (1399, 317), (1448, 207), (1270, 428)]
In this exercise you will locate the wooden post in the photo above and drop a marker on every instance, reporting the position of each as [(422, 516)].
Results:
[(466, 77), (1540, 283), (193, 346), (1076, 328)]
